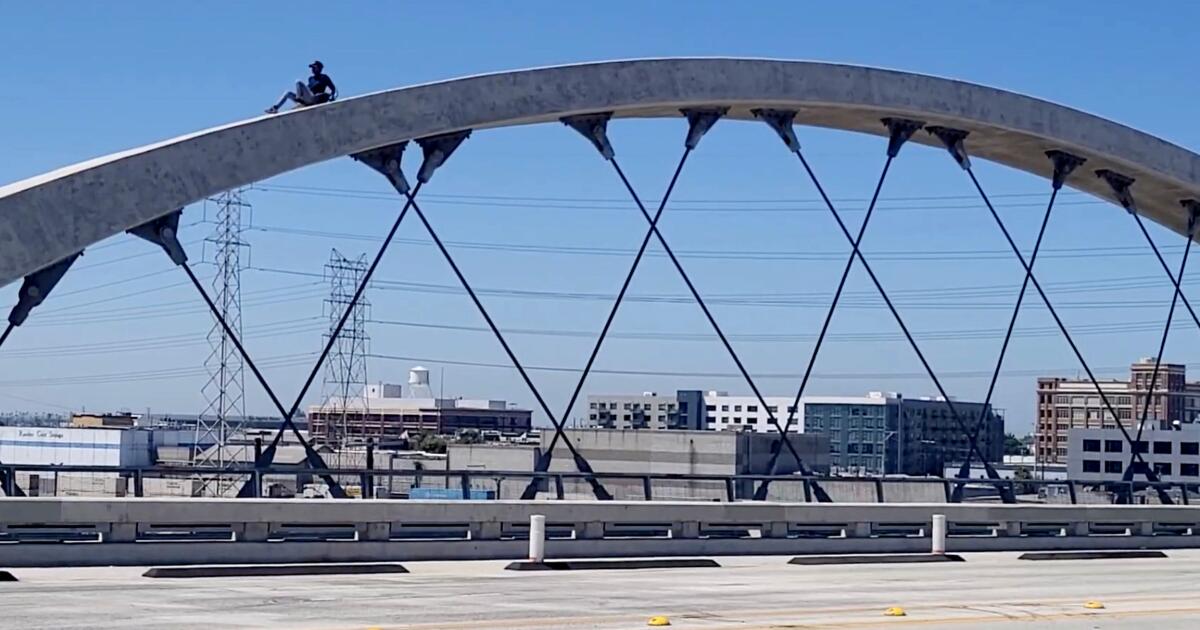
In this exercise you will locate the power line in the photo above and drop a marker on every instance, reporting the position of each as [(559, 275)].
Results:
[(938, 335), (961, 374), (775, 300), (624, 202), (278, 361), (761, 255)]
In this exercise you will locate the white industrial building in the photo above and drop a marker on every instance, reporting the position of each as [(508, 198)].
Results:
[(85, 446), (1100, 454)]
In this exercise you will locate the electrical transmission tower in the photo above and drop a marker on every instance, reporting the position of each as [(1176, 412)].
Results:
[(344, 409), (219, 428)]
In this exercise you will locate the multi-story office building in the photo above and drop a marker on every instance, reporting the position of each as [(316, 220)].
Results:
[(746, 413), (1099, 454), (690, 410), (885, 433), (874, 434), (1064, 404)]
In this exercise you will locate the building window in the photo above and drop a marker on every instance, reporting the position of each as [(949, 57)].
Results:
[(791, 409), (1124, 413), (737, 420), (1162, 448), (1189, 470), (1114, 446), (1062, 452), (1141, 447), (752, 420), (737, 407), (592, 405), (1091, 446), (724, 407), (752, 408), (773, 408), (1091, 465), (1162, 468), (1189, 448), (1112, 467), (628, 406), (710, 408)]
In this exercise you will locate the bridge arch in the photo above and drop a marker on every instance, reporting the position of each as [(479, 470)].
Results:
[(51, 216)]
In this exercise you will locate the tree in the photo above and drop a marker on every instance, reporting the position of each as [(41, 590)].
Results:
[(1013, 445), (431, 443), (470, 436), (1022, 473)]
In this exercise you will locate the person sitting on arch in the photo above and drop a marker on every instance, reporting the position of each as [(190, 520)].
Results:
[(319, 89)]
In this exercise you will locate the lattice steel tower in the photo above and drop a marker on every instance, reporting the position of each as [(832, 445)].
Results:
[(219, 427), (344, 409)]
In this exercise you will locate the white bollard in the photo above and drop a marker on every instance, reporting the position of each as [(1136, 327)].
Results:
[(537, 538), (939, 534)]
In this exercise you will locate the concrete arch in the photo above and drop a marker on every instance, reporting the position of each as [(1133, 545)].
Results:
[(50, 216)]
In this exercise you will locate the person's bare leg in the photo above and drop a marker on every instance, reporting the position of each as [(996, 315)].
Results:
[(289, 96)]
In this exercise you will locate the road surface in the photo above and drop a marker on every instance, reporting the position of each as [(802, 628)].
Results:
[(988, 591)]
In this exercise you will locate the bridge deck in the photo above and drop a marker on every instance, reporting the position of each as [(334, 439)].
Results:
[(987, 591)]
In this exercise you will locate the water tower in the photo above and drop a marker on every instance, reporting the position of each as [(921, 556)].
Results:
[(418, 383)]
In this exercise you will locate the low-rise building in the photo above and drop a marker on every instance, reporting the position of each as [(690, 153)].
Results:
[(645, 452), (886, 433), (1064, 404), (1100, 454), (383, 412), (693, 410)]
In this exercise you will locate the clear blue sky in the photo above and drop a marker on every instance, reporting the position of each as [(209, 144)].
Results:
[(101, 77)]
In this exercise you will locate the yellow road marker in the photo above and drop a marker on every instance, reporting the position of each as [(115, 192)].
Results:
[(1093, 605), (659, 620), (894, 611)]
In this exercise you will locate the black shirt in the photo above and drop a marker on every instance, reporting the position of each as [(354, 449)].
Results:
[(319, 83)]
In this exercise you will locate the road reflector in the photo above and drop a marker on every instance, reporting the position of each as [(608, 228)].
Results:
[(1093, 605), (894, 611), (659, 620)]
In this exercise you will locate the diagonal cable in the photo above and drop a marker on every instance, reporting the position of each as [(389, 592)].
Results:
[(1062, 327), (598, 489), (314, 459), (711, 320), (1161, 261), (1162, 344), (777, 446), (888, 302), (543, 463), (965, 471), (268, 455)]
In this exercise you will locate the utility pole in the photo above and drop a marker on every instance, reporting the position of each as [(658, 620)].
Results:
[(345, 395), (219, 426)]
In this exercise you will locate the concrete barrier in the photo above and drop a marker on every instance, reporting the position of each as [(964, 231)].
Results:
[(214, 531)]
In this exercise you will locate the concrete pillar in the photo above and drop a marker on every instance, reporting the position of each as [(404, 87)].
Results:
[(590, 530), (121, 533), (938, 538), (489, 530), (858, 530), (255, 532), (685, 529), (775, 529), (1146, 528), (1010, 528), (374, 532), (1078, 529), (537, 538)]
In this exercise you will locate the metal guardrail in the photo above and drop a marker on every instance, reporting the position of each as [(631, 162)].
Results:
[(555, 482)]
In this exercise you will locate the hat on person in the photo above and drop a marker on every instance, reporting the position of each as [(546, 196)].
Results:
[(318, 65)]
